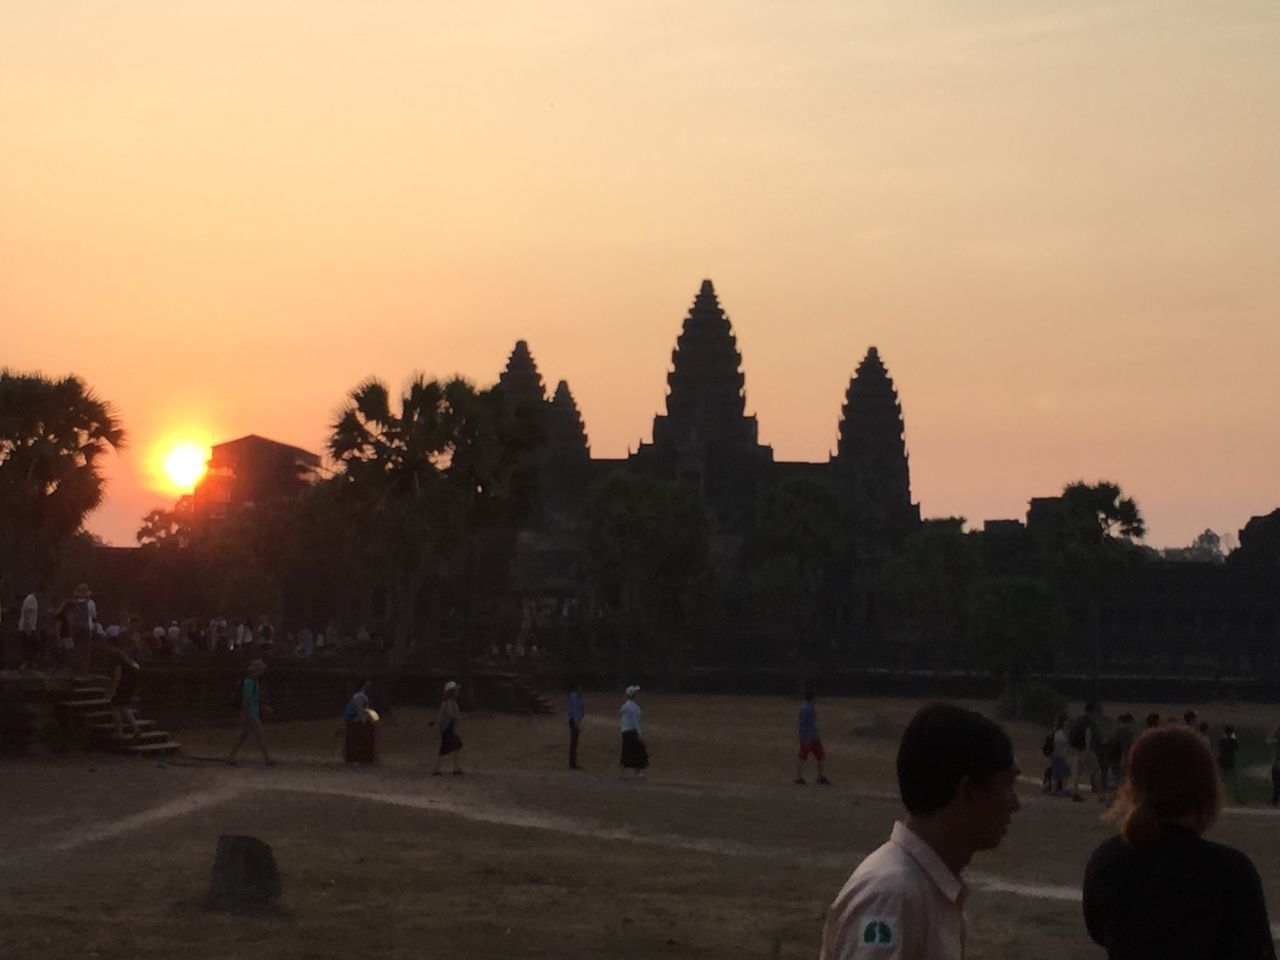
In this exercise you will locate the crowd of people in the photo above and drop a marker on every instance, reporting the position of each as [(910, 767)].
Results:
[(1091, 749), (60, 634)]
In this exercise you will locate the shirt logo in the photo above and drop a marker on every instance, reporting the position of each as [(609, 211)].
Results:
[(877, 931)]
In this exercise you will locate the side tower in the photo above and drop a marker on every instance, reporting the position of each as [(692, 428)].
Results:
[(706, 438), (567, 470), (871, 459)]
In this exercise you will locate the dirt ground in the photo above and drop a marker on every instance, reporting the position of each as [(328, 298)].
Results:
[(715, 854)]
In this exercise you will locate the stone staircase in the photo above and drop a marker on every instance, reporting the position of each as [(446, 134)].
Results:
[(89, 708)]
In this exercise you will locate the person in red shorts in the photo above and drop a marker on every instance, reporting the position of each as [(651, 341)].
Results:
[(810, 742)]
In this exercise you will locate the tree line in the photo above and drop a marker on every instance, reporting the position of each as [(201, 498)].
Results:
[(434, 486)]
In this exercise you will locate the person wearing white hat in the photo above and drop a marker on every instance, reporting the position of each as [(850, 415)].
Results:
[(447, 721), (635, 756)]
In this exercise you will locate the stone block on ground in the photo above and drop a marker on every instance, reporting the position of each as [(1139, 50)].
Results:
[(245, 875)]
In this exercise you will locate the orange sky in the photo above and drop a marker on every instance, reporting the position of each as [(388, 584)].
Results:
[(1060, 223)]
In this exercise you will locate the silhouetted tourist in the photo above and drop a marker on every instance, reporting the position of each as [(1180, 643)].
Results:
[(1060, 757), (251, 710), (1228, 747), (1159, 890), (810, 741), (957, 777), (1117, 748), (160, 643), (576, 714), (64, 647), (635, 755), (360, 727), (1083, 739), (1153, 720), (447, 721), (29, 633), (126, 677), (80, 618), (1274, 740)]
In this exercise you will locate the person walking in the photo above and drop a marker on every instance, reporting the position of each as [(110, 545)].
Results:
[(1159, 889), (1084, 758), (635, 755), (251, 710), (1118, 746), (360, 727), (1228, 747), (447, 721), (126, 677), (576, 714), (29, 632), (1273, 739), (1060, 757), (957, 777), (810, 741)]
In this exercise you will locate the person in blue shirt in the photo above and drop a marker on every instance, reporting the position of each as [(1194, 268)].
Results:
[(576, 713), (251, 708), (810, 742)]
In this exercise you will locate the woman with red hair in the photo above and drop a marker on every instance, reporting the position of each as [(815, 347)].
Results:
[(1160, 890)]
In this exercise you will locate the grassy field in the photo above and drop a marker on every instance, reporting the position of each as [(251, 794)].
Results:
[(716, 854)]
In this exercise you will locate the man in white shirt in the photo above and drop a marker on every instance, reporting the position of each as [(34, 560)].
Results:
[(956, 774)]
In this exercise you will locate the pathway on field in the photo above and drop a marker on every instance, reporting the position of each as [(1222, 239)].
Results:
[(478, 809)]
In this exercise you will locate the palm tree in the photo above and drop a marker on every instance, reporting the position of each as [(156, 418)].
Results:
[(443, 480), (53, 437)]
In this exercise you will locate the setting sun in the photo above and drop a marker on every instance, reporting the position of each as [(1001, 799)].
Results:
[(184, 465)]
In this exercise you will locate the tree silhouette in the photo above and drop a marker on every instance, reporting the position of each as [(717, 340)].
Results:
[(441, 480), (53, 437), (1087, 544), (647, 547), (801, 538)]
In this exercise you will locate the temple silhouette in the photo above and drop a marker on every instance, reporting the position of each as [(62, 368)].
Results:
[(707, 440)]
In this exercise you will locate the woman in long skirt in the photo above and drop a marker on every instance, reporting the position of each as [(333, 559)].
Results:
[(635, 756), (447, 721)]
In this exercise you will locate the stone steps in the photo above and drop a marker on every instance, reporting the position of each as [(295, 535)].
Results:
[(90, 709)]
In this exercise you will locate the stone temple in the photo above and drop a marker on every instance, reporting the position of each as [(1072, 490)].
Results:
[(706, 439)]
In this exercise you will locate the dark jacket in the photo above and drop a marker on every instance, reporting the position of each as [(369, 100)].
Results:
[(1185, 898)]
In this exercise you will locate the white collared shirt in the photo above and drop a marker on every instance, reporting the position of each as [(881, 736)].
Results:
[(902, 903)]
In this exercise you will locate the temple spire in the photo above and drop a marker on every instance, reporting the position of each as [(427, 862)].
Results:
[(871, 453), (706, 402), (566, 434), (521, 378)]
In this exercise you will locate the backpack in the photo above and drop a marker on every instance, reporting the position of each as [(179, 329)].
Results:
[(78, 615), (1047, 747), (1077, 738)]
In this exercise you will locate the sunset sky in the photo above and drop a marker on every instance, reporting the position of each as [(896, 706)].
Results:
[(1059, 222)]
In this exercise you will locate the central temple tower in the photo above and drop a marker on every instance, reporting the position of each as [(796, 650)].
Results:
[(706, 437)]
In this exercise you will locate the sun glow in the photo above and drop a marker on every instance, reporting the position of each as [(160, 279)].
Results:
[(184, 465)]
